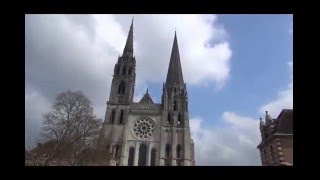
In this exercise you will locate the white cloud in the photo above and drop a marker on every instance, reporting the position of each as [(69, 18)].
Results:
[(233, 143), (35, 106), (200, 62), (283, 101)]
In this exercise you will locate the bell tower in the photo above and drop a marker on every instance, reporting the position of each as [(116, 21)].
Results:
[(124, 76), (176, 144), (110, 141)]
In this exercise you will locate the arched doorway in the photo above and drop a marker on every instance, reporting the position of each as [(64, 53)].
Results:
[(142, 155)]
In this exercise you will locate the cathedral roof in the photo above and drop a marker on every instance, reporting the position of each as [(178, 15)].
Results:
[(146, 99), (282, 125), (174, 75), (285, 125)]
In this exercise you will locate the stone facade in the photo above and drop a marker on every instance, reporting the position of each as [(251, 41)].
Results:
[(276, 147), (146, 133)]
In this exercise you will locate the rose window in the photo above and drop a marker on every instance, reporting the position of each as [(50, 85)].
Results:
[(143, 128)]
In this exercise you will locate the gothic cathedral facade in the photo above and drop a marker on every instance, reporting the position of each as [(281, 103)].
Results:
[(146, 133)]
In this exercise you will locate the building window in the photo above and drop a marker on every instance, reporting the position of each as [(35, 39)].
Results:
[(169, 119), (121, 117), (124, 70), (179, 119), (168, 150), (131, 156), (153, 157), (178, 151), (121, 88), (142, 161), (175, 105), (112, 116), (130, 71), (167, 161), (175, 89), (143, 128)]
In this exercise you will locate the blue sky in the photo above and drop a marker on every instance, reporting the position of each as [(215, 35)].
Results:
[(261, 49), (245, 70)]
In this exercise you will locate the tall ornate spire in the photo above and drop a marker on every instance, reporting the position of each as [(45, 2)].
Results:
[(174, 75), (128, 49)]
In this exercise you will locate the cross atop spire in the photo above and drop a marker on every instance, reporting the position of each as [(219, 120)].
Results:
[(128, 49), (174, 75)]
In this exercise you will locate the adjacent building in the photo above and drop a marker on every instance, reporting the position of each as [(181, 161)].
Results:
[(276, 147)]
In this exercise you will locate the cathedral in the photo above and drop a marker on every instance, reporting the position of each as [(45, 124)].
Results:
[(146, 133)]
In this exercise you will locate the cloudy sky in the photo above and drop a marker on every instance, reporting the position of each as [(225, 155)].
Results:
[(236, 67)]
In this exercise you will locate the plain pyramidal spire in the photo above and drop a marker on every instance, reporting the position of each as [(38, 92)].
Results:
[(174, 75), (128, 49)]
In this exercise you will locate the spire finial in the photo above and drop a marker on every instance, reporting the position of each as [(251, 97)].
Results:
[(266, 112), (147, 90), (175, 33)]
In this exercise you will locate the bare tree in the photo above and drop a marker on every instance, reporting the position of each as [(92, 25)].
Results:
[(72, 126)]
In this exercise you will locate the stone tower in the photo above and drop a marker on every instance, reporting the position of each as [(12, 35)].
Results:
[(118, 106), (146, 133), (176, 145)]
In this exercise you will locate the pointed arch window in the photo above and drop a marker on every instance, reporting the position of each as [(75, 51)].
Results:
[(121, 117), (153, 157), (131, 156), (142, 161), (121, 88), (175, 105), (179, 119), (124, 70), (112, 116), (178, 151), (168, 150), (169, 119), (130, 71)]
